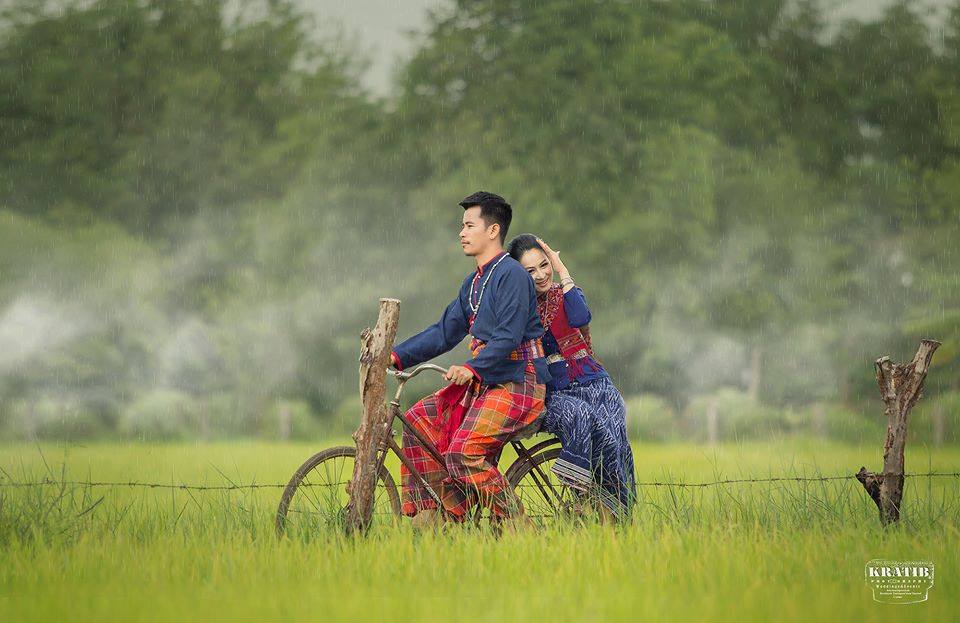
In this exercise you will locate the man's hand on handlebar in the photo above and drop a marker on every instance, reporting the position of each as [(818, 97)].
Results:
[(459, 375)]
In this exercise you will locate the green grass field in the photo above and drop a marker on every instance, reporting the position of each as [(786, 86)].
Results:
[(783, 551)]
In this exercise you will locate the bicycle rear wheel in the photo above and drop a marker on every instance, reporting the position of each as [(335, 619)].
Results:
[(316, 498), (545, 497)]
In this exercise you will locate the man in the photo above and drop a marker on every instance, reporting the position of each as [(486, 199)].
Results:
[(496, 393)]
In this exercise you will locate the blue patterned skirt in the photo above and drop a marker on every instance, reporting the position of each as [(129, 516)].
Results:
[(590, 421)]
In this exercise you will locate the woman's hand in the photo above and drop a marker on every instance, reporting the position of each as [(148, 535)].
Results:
[(557, 264)]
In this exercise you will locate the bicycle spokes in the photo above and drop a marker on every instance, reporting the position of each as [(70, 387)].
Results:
[(316, 499)]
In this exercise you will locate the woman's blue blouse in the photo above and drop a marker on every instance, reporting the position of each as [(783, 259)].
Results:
[(578, 315)]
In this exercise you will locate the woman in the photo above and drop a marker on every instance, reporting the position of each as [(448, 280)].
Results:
[(583, 408)]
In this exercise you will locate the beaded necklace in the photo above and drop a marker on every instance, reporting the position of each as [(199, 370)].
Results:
[(473, 286)]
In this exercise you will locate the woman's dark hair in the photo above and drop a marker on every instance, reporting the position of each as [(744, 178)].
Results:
[(521, 244)]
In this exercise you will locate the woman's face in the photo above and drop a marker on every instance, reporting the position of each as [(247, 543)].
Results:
[(537, 264)]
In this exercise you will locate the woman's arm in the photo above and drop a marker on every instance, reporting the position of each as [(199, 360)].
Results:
[(575, 306)]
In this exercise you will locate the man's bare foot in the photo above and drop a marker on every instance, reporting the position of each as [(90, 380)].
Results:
[(427, 520), (515, 524)]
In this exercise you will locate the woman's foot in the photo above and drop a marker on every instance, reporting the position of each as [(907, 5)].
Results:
[(607, 516), (590, 505)]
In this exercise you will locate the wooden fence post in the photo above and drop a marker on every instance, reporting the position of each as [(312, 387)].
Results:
[(901, 386), (375, 349)]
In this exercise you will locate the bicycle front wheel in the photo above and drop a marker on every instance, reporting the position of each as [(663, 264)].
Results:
[(315, 500)]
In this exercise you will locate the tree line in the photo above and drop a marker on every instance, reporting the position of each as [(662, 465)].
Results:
[(200, 202)]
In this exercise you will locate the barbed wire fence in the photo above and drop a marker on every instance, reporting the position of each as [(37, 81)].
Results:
[(234, 487)]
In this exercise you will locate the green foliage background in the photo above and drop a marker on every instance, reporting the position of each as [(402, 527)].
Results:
[(200, 205)]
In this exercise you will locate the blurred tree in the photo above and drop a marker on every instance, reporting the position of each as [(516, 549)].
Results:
[(141, 112), (198, 201)]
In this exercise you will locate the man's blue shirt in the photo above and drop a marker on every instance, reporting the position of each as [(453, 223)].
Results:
[(507, 315)]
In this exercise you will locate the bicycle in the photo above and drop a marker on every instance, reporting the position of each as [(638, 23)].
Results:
[(316, 497)]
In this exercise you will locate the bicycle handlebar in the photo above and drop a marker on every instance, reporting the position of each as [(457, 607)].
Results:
[(406, 376)]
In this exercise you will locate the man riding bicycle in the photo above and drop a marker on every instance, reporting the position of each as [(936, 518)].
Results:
[(492, 396)]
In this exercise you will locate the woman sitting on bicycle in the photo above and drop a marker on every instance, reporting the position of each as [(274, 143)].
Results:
[(583, 408)]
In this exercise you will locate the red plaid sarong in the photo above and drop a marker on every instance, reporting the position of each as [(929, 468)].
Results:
[(530, 349), (494, 414)]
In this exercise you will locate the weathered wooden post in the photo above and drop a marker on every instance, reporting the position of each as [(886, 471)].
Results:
[(900, 386), (375, 349)]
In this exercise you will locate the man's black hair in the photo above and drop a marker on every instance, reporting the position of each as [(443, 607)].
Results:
[(521, 244), (493, 209)]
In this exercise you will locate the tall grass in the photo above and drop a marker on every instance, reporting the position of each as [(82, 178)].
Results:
[(759, 551)]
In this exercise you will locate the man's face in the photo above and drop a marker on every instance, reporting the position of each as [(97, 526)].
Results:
[(475, 235)]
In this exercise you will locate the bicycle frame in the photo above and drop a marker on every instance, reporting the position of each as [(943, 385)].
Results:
[(390, 444)]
